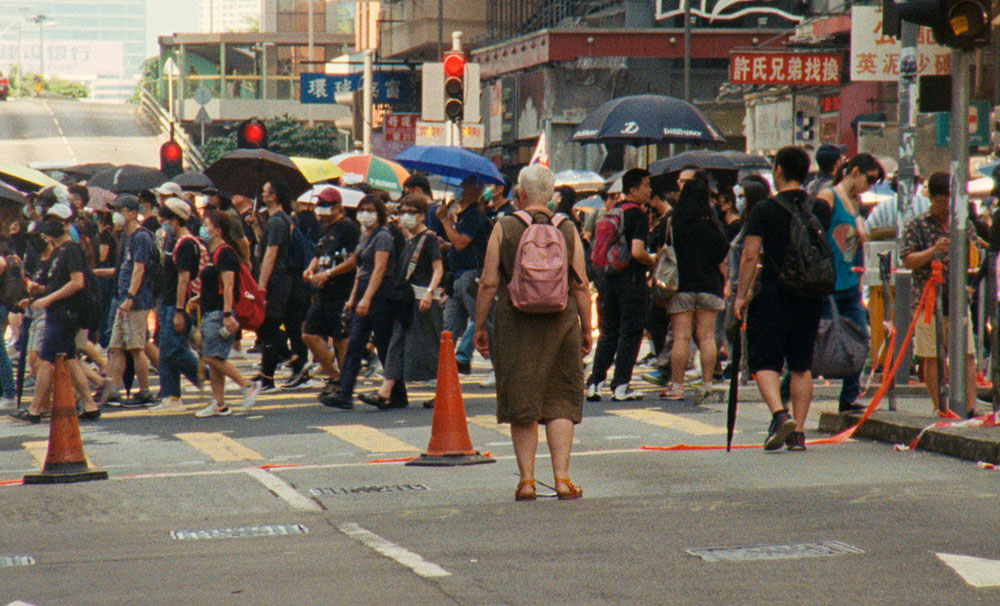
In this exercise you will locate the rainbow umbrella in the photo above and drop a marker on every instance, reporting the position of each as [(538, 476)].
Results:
[(377, 172)]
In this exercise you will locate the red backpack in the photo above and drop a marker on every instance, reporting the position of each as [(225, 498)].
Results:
[(612, 252), (248, 308), (540, 280)]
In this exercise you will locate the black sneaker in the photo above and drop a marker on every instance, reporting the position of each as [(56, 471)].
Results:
[(796, 441), (335, 400), (849, 408), (781, 426), (267, 386), (464, 367), (143, 398), (300, 377)]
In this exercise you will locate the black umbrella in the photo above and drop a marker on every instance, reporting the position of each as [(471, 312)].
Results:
[(702, 158), (734, 388), (193, 180), (244, 172), (86, 171), (11, 195), (745, 161), (647, 119), (128, 179)]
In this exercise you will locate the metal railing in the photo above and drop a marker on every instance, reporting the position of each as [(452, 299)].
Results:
[(163, 118)]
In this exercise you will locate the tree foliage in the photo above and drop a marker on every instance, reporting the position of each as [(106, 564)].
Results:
[(149, 74), (285, 135)]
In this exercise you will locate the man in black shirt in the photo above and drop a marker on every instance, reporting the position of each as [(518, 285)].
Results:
[(625, 297), (781, 327), (332, 273), (66, 279)]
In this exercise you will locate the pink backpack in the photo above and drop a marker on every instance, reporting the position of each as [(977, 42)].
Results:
[(540, 282)]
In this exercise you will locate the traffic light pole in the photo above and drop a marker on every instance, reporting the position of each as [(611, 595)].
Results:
[(958, 217), (366, 127)]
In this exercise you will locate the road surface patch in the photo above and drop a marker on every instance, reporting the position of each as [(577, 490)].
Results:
[(219, 446), (795, 551), (16, 560), (368, 438), (334, 492)]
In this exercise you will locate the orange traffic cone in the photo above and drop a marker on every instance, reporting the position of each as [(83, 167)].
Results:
[(65, 461), (450, 443)]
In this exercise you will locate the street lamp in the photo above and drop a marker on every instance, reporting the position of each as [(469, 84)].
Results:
[(41, 21)]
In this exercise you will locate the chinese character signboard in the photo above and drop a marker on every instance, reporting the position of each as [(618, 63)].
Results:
[(401, 127), (875, 58), (794, 69), (726, 10), (389, 87)]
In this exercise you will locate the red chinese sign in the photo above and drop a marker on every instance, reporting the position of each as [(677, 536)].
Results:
[(794, 69), (829, 103), (401, 127)]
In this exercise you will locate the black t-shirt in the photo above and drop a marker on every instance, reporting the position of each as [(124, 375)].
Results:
[(185, 257), (309, 224), (151, 223), (211, 298), (733, 229), (277, 232), (430, 251), (701, 248), (66, 260), (336, 244), (771, 223), (107, 238), (636, 228), (657, 234)]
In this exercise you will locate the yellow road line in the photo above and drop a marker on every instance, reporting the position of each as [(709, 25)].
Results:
[(39, 449), (219, 446), (675, 422), (368, 438), (490, 422)]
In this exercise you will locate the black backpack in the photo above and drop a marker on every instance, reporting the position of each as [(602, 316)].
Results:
[(807, 269)]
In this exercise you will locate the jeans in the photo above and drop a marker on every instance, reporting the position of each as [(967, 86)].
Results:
[(622, 323), (7, 387), (465, 348), (849, 305), (175, 356), (460, 311), (378, 321)]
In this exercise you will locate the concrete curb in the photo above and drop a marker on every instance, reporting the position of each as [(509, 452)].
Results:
[(971, 443)]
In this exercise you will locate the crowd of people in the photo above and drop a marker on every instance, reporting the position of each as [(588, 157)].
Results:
[(381, 282)]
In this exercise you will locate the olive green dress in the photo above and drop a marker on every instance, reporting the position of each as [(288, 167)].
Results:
[(538, 358)]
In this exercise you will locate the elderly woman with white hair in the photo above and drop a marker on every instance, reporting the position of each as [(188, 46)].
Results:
[(538, 357)]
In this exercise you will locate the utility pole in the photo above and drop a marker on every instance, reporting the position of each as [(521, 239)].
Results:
[(310, 52), (40, 20), (958, 254), (440, 29), (687, 50), (366, 127)]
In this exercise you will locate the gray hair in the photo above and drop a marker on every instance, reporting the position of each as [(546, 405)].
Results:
[(538, 184)]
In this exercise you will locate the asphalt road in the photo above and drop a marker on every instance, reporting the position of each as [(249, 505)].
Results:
[(319, 513), (49, 130)]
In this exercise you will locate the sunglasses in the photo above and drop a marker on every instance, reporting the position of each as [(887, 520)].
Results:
[(871, 179)]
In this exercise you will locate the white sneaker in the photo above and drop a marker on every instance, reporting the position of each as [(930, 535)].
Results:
[(594, 392), (169, 404), (490, 381), (622, 393), (249, 396), (213, 410)]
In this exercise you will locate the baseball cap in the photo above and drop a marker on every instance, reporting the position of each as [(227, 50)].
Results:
[(210, 190), (176, 207), (126, 201), (62, 211), (326, 200), (169, 189)]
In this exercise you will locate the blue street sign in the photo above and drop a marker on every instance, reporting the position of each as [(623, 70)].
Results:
[(389, 87)]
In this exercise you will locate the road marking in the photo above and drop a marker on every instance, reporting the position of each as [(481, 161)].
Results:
[(283, 490), (413, 561), (675, 422), (39, 450), (977, 572), (16, 560), (490, 422), (368, 438), (220, 447), (243, 532), (59, 127)]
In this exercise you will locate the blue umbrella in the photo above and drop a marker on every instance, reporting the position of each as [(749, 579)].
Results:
[(450, 162), (647, 119)]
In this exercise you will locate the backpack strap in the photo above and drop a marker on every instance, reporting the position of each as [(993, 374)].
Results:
[(412, 265)]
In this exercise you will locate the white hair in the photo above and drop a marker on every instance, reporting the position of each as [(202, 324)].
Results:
[(538, 184)]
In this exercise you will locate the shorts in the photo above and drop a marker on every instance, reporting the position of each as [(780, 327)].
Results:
[(324, 319), (925, 339), (129, 330), (36, 332), (781, 331), (212, 343), (691, 301), (60, 336)]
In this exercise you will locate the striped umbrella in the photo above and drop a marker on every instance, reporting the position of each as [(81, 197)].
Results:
[(377, 172)]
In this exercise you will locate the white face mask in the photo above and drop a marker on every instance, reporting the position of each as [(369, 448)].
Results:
[(118, 220), (367, 218), (408, 222)]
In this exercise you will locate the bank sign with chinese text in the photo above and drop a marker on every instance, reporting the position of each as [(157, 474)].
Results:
[(388, 87), (875, 58), (791, 69)]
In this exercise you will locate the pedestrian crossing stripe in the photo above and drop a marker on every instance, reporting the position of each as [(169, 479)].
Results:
[(670, 421), (219, 446), (38, 449), (368, 438), (490, 422)]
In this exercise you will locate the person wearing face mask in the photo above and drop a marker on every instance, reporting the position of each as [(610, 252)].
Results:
[(413, 348), (331, 272), (180, 282), (376, 264), (65, 280), (107, 253)]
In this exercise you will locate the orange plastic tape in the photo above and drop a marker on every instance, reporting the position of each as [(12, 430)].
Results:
[(11, 482), (399, 460)]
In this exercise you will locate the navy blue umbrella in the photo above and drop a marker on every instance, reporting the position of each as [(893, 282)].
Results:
[(647, 119), (450, 162)]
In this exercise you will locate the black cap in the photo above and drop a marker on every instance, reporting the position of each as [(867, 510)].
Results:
[(128, 201)]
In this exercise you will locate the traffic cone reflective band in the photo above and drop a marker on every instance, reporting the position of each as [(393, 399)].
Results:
[(65, 461), (450, 443)]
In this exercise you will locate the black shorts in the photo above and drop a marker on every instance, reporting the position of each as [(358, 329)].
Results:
[(60, 335), (781, 330), (324, 318)]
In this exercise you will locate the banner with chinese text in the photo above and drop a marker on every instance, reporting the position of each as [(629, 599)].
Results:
[(778, 68), (875, 58)]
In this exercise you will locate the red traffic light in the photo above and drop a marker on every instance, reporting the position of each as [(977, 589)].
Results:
[(454, 64), (171, 151), (252, 134)]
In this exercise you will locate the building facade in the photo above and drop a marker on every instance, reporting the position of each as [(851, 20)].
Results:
[(229, 15)]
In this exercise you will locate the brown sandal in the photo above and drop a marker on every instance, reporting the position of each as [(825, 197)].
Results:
[(519, 496), (574, 492)]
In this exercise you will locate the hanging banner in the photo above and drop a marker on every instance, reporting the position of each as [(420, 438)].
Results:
[(875, 58), (779, 68)]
